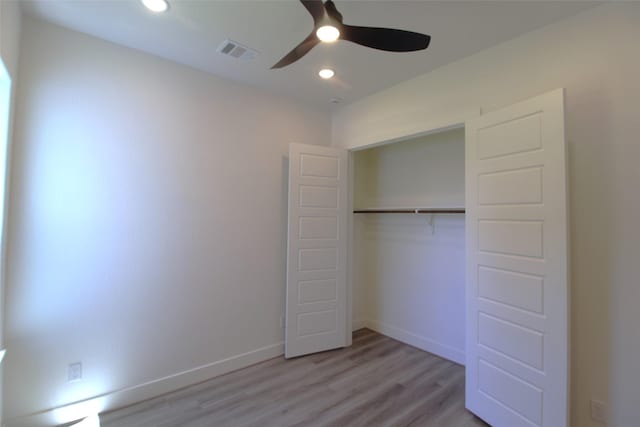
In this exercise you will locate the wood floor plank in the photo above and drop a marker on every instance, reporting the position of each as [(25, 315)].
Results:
[(377, 381)]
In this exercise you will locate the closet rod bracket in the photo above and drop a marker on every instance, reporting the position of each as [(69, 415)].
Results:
[(431, 220)]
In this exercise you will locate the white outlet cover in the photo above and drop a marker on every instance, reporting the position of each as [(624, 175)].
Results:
[(599, 411)]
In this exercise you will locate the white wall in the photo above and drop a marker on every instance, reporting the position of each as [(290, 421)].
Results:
[(10, 22), (595, 57), (426, 171), (147, 223), (408, 277)]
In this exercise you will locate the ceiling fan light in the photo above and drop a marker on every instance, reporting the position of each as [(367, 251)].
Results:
[(156, 5), (328, 33), (326, 73)]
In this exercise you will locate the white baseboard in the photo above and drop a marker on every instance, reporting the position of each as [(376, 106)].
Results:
[(358, 324), (420, 342), (127, 396)]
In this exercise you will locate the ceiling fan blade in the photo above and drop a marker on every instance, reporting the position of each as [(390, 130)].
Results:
[(332, 11), (385, 38), (315, 8), (299, 51)]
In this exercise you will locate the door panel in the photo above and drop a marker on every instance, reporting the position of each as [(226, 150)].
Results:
[(517, 277), (317, 250)]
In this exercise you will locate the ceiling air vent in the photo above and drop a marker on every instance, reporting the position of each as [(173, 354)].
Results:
[(236, 50)]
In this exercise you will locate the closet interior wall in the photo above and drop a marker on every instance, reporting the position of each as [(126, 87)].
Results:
[(409, 269)]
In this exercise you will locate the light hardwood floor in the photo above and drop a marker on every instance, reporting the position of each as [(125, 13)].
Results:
[(376, 382)]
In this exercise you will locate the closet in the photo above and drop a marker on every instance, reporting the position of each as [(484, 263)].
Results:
[(453, 240), (408, 268)]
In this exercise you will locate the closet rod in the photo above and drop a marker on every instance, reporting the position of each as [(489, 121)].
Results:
[(414, 211)]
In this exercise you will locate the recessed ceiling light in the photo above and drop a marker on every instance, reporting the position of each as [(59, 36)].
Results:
[(156, 5), (328, 33), (326, 73)]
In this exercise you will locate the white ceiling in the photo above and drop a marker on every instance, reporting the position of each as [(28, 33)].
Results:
[(191, 31)]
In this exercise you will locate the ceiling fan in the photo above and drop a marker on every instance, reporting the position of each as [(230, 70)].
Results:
[(328, 27)]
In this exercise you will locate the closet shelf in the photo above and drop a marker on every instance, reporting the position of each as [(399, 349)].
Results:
[(412, 211)]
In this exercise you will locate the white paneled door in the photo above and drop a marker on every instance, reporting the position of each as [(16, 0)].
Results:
[(517, 276), (317, 250)]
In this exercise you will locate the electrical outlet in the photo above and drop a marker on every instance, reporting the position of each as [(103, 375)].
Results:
[(74, 373), (598, 411)]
